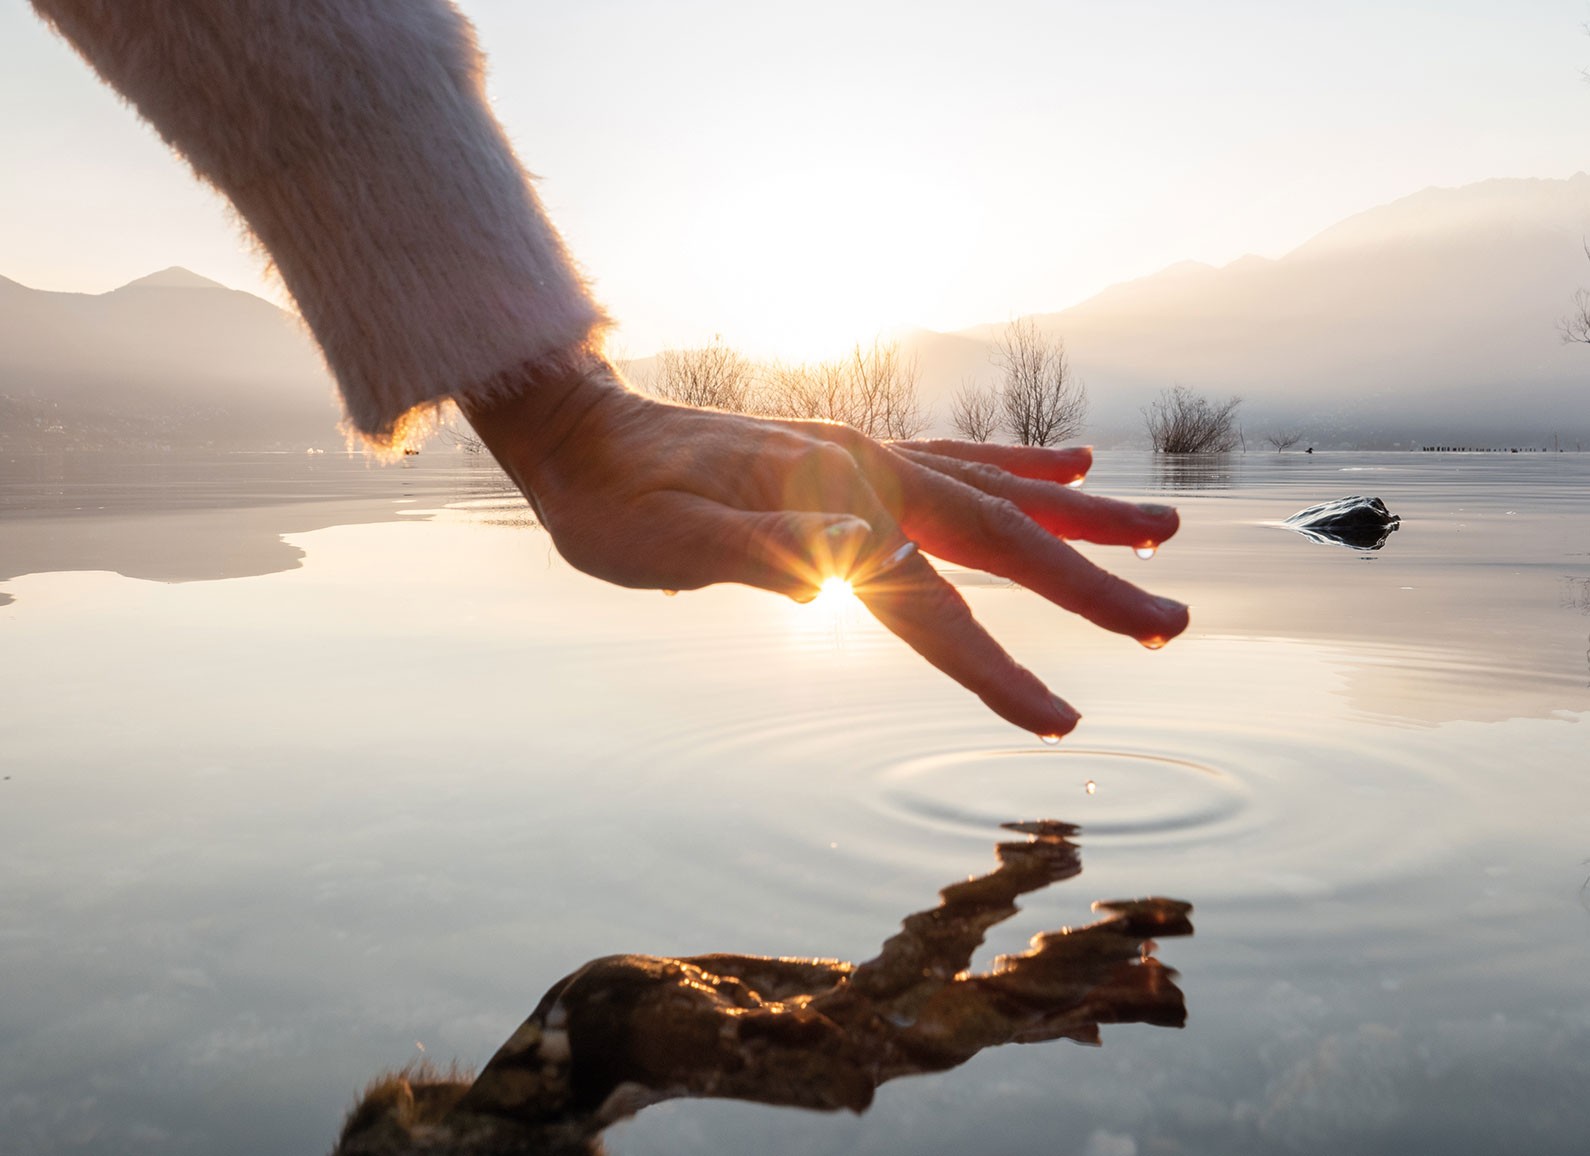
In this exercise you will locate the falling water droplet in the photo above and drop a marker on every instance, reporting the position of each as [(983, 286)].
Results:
[(1050, 740), (1153, 641), (1145, 551), (669, 593), (1091, 787)]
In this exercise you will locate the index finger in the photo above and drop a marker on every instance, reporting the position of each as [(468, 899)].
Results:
[(915, 603)]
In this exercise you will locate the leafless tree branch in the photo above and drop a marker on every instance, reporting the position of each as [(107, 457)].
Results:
[(975, 411), (1042, 399), (1183, 421)]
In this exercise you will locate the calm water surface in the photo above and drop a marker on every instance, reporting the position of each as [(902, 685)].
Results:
[(312, 768)]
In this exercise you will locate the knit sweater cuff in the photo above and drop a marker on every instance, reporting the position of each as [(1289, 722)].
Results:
[(354, 139)]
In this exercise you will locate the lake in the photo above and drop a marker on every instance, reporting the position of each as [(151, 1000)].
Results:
[(313, 768)]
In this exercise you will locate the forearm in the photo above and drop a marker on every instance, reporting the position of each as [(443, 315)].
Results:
[(354, 140)]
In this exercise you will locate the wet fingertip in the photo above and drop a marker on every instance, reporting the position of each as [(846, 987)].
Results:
[(1174, 618), (1063, 720)]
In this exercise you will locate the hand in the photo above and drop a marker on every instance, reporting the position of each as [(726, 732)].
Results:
[(648, 494)]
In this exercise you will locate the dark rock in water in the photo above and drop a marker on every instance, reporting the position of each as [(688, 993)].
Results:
[(1356, 522)]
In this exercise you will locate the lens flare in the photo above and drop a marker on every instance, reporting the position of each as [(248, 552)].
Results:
[(834, 590)]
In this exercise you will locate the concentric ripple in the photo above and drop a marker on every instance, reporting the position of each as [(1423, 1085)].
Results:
[(1111, 793)]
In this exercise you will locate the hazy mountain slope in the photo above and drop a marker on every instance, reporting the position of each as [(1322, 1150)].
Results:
[(1428, 320), (1431, 318), (168, 359)]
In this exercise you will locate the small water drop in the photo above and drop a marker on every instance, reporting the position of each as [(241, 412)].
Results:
[(1076, 482), (1146, 551), (670, 593), (1153, 641), (1091, 787), (1049, 740)]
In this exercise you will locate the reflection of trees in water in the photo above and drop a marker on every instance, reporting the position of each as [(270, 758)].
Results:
[(628, 1031), (486, 495), (1195, 471), (1576, 594)]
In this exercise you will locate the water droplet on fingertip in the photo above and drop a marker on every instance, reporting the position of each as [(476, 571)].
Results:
[(670, 593), (1076, 482), (1049, 740), (1153, 641), (1145, 551)]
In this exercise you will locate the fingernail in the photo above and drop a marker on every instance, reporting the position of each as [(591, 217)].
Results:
[(1155, 510), (897, 557), (1169, 606), (883, 565), (847, 528), (1066, 719)]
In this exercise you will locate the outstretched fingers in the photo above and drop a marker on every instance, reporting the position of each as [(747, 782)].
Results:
[(915, 602), (1065, 465), (701, 541), (964, 525), (1062, 511)]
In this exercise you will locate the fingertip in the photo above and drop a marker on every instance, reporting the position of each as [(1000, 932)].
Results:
[(1063, 720), (1174, 617)]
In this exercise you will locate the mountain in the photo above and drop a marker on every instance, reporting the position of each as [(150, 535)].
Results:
[(172, 359), (1430, 320)]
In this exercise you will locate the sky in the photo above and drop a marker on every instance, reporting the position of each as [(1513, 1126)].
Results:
[(796, 177)]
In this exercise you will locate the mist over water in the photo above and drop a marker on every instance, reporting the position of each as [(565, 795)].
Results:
[(310, 764)]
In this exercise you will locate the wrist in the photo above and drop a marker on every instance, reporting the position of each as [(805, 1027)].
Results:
[(527, 414)]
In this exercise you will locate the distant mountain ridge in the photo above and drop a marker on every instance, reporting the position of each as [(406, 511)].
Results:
[(1428, 320), (171, 359)]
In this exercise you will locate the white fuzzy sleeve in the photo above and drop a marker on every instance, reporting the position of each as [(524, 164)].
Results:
[(354, 139)]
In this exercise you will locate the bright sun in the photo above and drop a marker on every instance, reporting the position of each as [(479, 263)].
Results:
[(835, 590)]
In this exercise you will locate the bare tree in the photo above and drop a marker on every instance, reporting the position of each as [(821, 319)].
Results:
[(1183, 421), (1283, 439), (886, 384), (816, 389), (1575, 327), (1042, 399), (713, 375), (975, 411), (873, 390)]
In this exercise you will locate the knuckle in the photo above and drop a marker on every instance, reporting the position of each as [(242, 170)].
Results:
[(1000, 517), (834, 459), (985, 476)]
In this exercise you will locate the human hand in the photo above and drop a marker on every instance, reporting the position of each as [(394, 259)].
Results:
[(647, 494)]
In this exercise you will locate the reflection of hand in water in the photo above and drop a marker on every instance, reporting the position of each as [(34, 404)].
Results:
[(648, 494), (627, 1031)]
